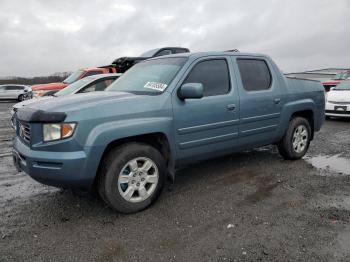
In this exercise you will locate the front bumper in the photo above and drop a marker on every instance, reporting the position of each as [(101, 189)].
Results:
[(59, 169), (337, 110)]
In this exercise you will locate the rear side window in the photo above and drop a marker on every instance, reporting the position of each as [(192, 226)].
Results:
[(255, 74), (99, 85), (14, 88), (179, 51), (213, 75), (91, 73), (164, 52)]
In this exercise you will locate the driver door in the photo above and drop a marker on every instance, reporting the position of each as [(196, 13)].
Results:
[(207, 126)]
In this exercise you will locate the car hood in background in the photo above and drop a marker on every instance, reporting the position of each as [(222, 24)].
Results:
[(51, 86), (339, 96)]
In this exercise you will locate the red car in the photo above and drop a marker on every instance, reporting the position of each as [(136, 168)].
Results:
[(42, 89), (336, 80)]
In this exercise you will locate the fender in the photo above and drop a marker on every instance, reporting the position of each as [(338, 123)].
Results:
[(292, 107), (103, 134)]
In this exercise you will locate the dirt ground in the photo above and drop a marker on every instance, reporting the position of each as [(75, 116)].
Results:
[(252, 206)]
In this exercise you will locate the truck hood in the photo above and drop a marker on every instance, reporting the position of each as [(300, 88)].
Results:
[(89, 105), (82, 101), (30, 101), (340, 96), (51, 86)]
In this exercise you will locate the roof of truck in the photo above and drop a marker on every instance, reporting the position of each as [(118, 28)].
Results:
[(212, 53)]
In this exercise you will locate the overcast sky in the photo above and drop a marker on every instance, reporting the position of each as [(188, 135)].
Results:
[(40, 37)]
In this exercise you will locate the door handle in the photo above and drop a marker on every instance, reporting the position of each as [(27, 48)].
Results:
[(277, 100), (231, 107)]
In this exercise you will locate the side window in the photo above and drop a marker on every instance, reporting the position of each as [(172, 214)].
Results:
[(13, 88), (213, 75), (100, 85), (179, 51), (91, 73), (255, 74), (164, 52)]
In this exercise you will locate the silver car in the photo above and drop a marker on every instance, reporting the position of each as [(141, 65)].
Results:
[(18, 92)]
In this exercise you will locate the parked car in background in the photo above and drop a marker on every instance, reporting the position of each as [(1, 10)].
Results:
[(42, 89), (18, 92), (162, 114), (124, 63), (338, 100), (85, 85), (336, 80)]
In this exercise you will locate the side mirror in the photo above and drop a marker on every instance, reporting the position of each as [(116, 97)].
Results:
[(191, 91)]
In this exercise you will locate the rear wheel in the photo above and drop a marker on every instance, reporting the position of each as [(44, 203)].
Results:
[(131, 177), (296, 141)]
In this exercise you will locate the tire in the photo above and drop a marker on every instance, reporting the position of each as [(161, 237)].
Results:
[(119, 165), (286, 148), (20, 98)]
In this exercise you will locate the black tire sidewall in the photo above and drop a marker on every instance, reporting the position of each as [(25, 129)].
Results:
[(20, 98), (294, 124), (118, 159)]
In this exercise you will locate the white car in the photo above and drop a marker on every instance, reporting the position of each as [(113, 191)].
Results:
[(84, 85), (338, 100), (18, 92)]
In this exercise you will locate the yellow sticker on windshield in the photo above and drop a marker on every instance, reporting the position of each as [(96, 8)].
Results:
[(156, 86)]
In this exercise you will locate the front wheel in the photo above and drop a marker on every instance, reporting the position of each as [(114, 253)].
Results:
[(131, 177), (20, 98), (296, 141)]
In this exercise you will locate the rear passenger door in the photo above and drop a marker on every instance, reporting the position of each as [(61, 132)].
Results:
[(260, 101), (13, 91), (208, 126)]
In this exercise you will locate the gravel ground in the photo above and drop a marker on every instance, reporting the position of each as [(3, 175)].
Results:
[(243, 207)]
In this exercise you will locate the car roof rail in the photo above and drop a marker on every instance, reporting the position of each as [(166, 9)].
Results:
[(232, 50)]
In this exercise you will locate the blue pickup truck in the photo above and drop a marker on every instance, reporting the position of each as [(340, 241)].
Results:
[(164, 113)]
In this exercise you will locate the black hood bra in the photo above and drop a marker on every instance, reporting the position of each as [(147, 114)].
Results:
[(39, 116)]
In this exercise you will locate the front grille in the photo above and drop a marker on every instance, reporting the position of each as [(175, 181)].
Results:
[(24, 131)]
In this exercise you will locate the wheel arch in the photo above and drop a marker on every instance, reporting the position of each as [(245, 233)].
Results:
[(309, 116), (158, 140)]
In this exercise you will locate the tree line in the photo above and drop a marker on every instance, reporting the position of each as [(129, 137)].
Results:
[(58, 77)]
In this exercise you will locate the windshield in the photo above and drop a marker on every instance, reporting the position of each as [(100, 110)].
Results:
[(73, 77), (343, 86), (149, 77), (72, 88), (149, 53), (342, 76)]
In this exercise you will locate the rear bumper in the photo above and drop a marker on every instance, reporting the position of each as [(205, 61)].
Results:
[(59, 169)]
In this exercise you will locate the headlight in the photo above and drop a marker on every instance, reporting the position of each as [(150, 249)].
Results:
[(52, 132)]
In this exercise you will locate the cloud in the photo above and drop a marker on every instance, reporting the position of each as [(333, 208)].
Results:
[(40, 37)]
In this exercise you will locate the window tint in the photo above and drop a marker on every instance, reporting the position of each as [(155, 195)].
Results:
[(14, 88), (255, 74), (180, 50), (100, 85), (164, 52), (91, 73), (213, 75)]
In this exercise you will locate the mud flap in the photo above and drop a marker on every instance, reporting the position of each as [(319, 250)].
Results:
[(171, 175)]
